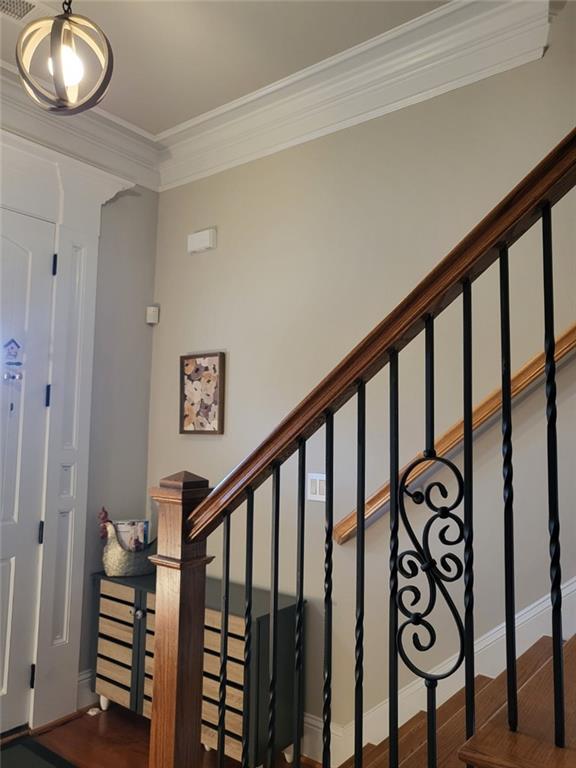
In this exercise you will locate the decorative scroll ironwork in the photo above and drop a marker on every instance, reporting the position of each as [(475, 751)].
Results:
[(447, 529)]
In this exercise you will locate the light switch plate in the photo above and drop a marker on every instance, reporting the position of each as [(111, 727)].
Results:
[(316, 486)]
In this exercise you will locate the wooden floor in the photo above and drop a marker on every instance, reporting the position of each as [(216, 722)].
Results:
[(114, 739), (119, 738)]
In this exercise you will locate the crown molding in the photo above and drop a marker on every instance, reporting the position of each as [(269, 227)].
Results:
[(457, 44), (92, 137), (454, 45)]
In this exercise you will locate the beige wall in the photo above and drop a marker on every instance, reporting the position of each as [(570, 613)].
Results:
[(316, 245), (121, 378)]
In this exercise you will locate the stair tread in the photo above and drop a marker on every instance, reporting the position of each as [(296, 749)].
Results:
[(367, 751), (378, 757), (452, 735), (413, 733), (494, 746)]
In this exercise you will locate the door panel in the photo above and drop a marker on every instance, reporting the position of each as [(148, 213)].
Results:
[(26, 290), (15, 270)]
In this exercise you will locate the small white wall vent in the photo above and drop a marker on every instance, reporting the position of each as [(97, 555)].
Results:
[(16, 9), (202, 241)]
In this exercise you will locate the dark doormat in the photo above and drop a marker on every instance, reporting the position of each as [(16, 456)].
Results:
[(29, 754)]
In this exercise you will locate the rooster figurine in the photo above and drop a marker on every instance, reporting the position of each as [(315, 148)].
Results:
[(117, 559)]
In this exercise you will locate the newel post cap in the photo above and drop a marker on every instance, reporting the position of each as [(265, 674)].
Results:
[(176, 497), (181, 487), (184, 481)]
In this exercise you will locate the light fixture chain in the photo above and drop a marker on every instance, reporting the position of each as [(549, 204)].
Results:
[(67, 7)]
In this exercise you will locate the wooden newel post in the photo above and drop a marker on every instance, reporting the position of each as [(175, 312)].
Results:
[(179, 632)]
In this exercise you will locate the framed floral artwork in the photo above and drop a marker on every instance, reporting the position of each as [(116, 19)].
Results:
[(202, 394)]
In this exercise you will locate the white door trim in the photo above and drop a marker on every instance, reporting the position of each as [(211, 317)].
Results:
[(42, 183)]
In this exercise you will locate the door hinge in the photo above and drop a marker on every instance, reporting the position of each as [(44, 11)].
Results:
[(41, 532), (48, 394), (55, 264), (32, 675)]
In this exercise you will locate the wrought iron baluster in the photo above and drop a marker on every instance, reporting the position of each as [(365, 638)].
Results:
[(430, 450), (360, 572), (432, 726), (552, 451), (508, 492), (443, 529), (274, 613), (246, 719), (394, 546), (328, 544), (225, 612), (299, 642), (468, 512)]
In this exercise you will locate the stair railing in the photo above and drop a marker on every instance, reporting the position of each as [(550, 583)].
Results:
[(188, 515), (523, 381)]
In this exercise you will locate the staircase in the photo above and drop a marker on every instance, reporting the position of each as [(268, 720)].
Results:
[(525, 717), (412, 735), (494, 746)]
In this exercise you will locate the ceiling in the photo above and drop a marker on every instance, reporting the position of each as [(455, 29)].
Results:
[(177, 60)]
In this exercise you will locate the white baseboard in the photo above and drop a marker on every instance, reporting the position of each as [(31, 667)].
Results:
[(86, 696), (531, 624)]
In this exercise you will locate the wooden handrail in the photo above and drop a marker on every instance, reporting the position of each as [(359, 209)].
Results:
[(552, 178), (489, 407)]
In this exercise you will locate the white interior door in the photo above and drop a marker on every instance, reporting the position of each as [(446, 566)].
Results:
[(26, 291)]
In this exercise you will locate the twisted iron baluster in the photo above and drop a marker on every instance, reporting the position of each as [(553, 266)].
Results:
[(468, 512), (299, 640), (328, 545), (246, 720), (224, 642), (275, 547), (360, 575), (508, 492), (552, 450)]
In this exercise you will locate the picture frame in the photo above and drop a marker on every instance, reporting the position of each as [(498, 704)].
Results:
[(202, 380)]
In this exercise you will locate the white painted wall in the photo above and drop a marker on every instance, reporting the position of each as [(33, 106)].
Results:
[(121, 377), (316, 245)]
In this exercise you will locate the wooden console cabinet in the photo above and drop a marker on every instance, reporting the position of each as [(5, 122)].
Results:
[(125, 659)]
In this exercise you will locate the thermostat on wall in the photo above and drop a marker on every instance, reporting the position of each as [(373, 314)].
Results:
[(202, 241)]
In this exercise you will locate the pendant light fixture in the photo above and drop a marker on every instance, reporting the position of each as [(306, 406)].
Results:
[(71, 55)]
